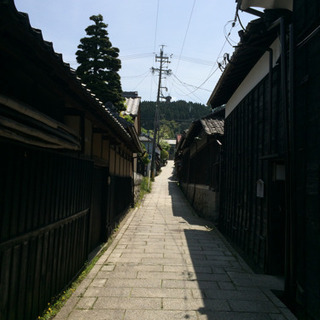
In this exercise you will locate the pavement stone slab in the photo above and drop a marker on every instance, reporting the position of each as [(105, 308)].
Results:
[(133, 283), (209, 315), (162, 293), (160, 315), (196, 304), (120, 303), (166, 263), (107, 292), (86, 303), (253, 306), (96, 315)]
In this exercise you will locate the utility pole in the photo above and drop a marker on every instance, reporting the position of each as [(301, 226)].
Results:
[(162, 70)]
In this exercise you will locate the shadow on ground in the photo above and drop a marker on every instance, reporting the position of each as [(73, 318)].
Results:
[(229, 290)]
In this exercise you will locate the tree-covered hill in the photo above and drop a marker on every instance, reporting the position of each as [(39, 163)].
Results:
[(174, 116)]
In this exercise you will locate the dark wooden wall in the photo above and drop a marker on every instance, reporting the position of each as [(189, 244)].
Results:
[(120, 199), (253, 143), (44, 212), (306, 154), (54, 209), (204, 166)]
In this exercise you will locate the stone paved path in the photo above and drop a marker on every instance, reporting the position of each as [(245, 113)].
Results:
[(165, 263)]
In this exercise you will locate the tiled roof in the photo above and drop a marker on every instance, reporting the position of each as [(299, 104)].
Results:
[(254, 42), (8, 9), (133, 105), (212, 126), (144, 138)]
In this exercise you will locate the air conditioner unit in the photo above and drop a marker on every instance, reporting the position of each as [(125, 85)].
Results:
[(267, 4)]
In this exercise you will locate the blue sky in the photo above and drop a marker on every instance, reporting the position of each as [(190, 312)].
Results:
[(193, 32)]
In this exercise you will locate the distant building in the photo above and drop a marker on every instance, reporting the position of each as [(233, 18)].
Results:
[(172, 150), (198, 164), (133, 101)]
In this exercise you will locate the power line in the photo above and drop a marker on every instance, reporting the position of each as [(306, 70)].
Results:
[(185, 36), (156, 28), (227, 36), (200, 86), (214, 70), (138, 76), (189, 85), (142, 80), (136, 56), (196, 61), (188, 94)]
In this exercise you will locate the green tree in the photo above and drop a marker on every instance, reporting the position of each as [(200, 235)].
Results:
[(175, 116), (99, 63)]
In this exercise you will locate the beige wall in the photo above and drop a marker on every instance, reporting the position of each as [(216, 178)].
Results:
[(105, 150), (87, 137), (97, 145)]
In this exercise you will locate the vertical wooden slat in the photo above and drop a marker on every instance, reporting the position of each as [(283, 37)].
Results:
[(72, 174), (14, 283), (15, 197), (44, 195), (54, 278), (45, 188), (43, 287), (30, 277), (5, 283), (21, 301), (37, 277), (55, 186), (7, 197), (60, 262), (68, 189), (71, 249), (62, 186), (37, 192), (25, 185)]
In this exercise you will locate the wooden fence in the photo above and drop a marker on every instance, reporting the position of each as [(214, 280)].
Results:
[(45, 201), (54, 209)]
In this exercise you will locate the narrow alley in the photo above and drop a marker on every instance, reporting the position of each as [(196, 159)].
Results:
[(166, 263)]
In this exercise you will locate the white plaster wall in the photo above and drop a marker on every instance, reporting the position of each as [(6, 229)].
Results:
[(257, 73)]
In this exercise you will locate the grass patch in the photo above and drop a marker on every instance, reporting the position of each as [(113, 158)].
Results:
[(145, 187)]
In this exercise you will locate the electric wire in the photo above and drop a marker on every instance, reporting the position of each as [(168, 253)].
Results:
[(138, 76), (215, 66), (189, 85), (141, 81), (227, 36), (156, 27), (214, 70), (136, 56), (205, 81), (184, 93), (186, 33), (196, 61), (240, 22)]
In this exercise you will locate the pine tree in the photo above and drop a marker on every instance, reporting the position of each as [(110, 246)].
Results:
[(99, 63)]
